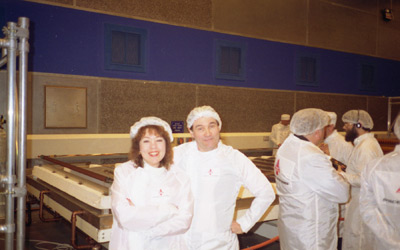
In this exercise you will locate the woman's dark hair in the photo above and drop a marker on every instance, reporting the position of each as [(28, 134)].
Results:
[(134, 153)]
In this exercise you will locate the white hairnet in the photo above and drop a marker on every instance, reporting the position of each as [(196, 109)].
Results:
[(358, 116), (203, 111), (333, 117), (307, 121), (285, 117), (396, 127), (151, 120)]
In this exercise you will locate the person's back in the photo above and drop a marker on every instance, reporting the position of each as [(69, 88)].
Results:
[(380, 198), (307, 209), (309, 190)]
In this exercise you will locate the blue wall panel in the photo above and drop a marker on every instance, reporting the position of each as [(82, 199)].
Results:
[(69, 41)]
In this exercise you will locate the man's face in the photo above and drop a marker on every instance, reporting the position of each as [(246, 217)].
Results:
[(205, 131), (329, 130), (285, 122), (351, 132)]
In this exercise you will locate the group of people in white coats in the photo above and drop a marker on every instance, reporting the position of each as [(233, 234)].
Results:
[(310, 189), (184, 198)]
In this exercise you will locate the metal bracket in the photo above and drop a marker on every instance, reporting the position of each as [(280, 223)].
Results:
[(22, 32), (7, 228), (7, 179), (19, 191)]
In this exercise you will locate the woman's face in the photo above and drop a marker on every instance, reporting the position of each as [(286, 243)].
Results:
[(152, 148)]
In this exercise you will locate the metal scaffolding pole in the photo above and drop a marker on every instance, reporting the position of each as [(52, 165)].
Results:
[(10, 179), (23, 35), (13, 33)]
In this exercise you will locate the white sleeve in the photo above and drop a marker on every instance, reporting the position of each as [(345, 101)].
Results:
[(274, 135), (371, 213), (322, 178), (259, 186), (135, 218), (366, 155), (180, 222)]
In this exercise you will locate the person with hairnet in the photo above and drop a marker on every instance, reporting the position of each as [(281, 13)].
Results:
[(308, 187), (280, 132), (338, 147), (340, 150), (152, 203), (217, 172), (380, 198), (358, 125)]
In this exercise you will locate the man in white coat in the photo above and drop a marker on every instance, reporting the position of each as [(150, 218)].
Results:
[(380, 198), (340, 150), (280, 132), (217, 172), (358, 126), (308, 186)]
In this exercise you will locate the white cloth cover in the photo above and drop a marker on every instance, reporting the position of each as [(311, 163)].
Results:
[(279, 133), (380, 200), (339, 148), (162, 211), (216, 177), (366, 149), (309, 191)]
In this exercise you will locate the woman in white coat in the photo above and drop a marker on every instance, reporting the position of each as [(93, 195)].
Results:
[(152, 203)]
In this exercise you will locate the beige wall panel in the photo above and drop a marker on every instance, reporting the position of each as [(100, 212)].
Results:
[(331, 102), (125, 102), (246, 110), (182, 12), (269, 19), (341, 28), (378, 109), (36, 83)]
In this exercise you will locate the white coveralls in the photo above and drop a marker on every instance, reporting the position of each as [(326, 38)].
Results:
[(339, 149), (216, 177), (162, 211), (380, 200), (366, 149), (279, 133), (309, 191)]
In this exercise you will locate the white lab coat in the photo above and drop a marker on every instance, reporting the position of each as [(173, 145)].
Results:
[(380, 200), (309, 191), (339, 149), (366, 149), (216, 177), (279, 133), (162, 211)]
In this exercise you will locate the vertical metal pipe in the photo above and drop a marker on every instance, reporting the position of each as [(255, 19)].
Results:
[(11, 68), (389, 119), (23, 24)]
